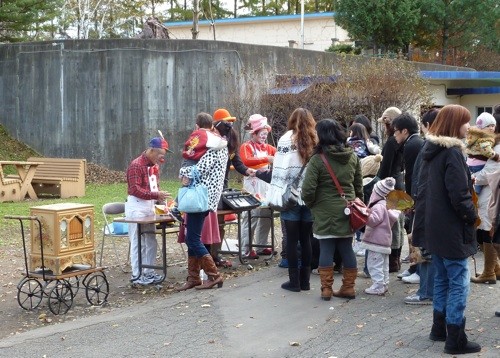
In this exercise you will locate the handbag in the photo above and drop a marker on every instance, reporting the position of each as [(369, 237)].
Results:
[(356, 209), (194, 197), (290, 197)]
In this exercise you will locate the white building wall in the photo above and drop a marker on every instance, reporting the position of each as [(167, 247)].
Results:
[(319, 30), (471, 101)]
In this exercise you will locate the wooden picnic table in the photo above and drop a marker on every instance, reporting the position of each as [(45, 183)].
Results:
[(26, 172)]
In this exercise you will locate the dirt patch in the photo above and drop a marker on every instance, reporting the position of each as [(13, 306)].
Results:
[(16, 320)]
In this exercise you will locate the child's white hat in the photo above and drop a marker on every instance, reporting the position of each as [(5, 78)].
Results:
[(484, 120)]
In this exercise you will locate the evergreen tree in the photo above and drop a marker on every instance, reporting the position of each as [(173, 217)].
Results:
[(27, 20), (388, 25)]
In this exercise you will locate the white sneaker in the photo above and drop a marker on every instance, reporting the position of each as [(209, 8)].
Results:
[(375, 290), (153, 276), (361, 252), (356, 246), (417, 300), (405, 273), (413, 278), (315, 271), (141, 280)]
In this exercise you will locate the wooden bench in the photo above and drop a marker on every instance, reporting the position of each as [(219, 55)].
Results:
[(10, 188), (60, 177)]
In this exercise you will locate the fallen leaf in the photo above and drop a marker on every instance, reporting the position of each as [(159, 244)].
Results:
[(294, 344)]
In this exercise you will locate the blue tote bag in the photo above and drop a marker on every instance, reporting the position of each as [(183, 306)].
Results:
[(194, 197)]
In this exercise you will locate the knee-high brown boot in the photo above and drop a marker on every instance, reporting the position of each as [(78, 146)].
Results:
[(193, 278), (490, 259), (326, 277), (347, 288), (214, 277), (497, 265)]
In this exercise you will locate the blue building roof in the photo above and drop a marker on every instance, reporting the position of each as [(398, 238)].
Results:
[(467, 82)]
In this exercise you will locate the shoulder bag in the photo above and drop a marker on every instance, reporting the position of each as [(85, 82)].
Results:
[(194, 197), (356, 209)]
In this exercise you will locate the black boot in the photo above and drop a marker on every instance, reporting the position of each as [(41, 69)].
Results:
[(438, 330), (457, 343), (394, 264), (293, 284), (305, 274)]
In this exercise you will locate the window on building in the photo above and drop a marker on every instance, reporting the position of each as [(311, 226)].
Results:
[(484, 109)]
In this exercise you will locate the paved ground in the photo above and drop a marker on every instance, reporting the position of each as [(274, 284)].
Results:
[(252, 316)]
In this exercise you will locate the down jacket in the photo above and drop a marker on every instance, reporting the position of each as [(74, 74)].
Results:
[(444, 211), (320, 194)]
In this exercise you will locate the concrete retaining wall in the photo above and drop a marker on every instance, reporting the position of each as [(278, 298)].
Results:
[(103, 99)]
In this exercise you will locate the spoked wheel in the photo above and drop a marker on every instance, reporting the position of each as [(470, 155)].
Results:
[(29, 293), (60, 297), (74, 282), (96, 288)]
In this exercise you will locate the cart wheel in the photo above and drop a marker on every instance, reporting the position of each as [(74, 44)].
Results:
[(74, 282), (96, 288), (60, 297), (29, 293)]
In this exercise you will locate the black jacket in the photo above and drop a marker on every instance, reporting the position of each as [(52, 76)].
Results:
[(444, 212), (411, 148), (238, 165), (392, 162)]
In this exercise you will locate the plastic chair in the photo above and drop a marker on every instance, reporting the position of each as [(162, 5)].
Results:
[(109, 210)]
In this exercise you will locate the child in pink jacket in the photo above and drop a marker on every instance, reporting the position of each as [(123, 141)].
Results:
[(378, 236)]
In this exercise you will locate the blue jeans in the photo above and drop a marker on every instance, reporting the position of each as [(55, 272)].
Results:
[(297, 213), (451, 287), (194, 225), (426, 272)]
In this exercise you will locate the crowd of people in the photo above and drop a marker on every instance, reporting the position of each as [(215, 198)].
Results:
[(450, 170)]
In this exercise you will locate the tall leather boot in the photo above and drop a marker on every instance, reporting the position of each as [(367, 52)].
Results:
[(398, 255), (294, 283), (497, 265), (457, 342), (394, 263), (214, 277), (193, 278), (438, 330), (490, 259), (347, 288), (304, 278), (326, 277)]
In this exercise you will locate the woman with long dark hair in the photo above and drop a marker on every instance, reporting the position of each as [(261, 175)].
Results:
[(331, 225)]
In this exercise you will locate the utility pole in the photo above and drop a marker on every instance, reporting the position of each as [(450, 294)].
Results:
[(302, 23)]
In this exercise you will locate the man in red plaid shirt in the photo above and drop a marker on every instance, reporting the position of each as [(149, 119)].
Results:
[(143, 192)]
